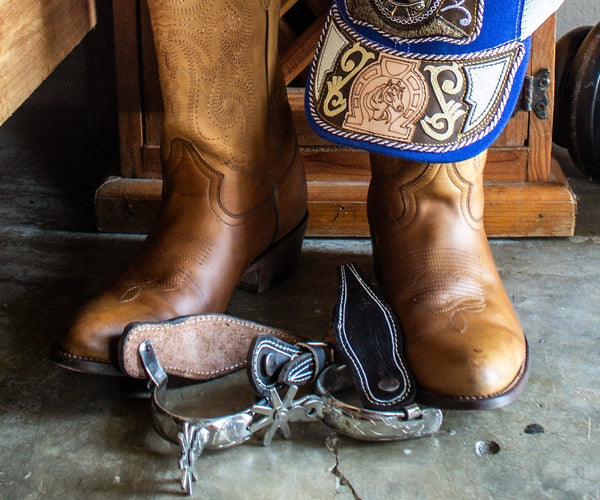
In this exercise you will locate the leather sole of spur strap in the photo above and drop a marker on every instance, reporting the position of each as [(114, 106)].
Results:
[(199, 347), (274, 265), (491, 402)]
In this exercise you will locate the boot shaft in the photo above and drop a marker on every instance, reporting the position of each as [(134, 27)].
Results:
[(217, 63), (404, 192), (225, 107)]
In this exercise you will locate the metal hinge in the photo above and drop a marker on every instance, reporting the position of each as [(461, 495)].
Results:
[(534, 97)]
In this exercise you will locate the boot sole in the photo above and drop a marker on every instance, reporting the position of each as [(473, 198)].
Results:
[(491, 402), (272, 266)]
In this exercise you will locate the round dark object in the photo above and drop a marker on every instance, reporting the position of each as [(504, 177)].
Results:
[(583, 86), (534, 429), (566, 48)]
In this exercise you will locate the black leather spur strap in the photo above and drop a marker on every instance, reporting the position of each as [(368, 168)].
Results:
[(369, 339)]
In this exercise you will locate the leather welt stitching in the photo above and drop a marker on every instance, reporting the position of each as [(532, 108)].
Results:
[(85, 358)]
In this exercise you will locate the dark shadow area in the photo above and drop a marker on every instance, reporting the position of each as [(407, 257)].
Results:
[(52, 156)]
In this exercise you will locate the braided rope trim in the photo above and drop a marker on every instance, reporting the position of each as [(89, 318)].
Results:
[(410, 146)]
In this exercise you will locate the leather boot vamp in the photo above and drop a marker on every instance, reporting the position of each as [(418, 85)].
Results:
[(462, 336)]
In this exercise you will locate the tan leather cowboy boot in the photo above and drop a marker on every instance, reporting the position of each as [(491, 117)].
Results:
[(462, 337), (234, 195)]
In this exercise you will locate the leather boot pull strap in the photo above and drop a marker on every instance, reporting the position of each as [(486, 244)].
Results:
[(369, 339)]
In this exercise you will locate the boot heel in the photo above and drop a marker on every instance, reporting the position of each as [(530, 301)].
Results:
[(276, 263)]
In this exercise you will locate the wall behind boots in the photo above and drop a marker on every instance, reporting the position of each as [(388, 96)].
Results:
[(575, 13)]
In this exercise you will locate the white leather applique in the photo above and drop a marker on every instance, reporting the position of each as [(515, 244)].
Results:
[(334, 43), (485, 84)]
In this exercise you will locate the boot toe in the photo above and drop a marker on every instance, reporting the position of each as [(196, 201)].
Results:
[(471, 374), (91, 342)]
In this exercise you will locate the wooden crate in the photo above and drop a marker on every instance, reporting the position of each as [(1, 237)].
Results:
[(526, 192), (34, 38)]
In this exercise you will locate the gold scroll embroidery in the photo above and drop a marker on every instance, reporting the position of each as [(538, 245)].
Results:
[(335, 102), (441, 125)]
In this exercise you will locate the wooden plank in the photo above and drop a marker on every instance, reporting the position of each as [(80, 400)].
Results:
[(298, 55), (153, 105), (127, 205), (34, 38), (540, 131), (515, 133), (332, 220), (533, 209), (317, 7), (506, 165), (338, 209), (336, 164), (523, 209), (125, 18), (286, 36), (286, 5), (151, 161)]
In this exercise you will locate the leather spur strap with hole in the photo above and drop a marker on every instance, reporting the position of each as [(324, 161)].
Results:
[(369, 339)]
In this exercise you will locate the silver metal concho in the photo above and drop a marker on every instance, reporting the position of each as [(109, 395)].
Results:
[(407, 12), (274, 413)]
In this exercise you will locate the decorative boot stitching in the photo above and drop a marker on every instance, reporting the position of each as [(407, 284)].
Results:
[(466, 188), (212, 61), (407, 194), (446, 280)]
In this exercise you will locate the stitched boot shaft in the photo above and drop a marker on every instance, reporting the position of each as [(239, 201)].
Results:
[(233, 184), (462, 337)]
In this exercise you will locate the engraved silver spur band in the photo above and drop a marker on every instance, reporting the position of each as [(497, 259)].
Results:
[(369, 425), (195, 434)]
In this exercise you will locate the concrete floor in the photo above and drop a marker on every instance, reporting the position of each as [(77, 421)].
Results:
[(64, 435)]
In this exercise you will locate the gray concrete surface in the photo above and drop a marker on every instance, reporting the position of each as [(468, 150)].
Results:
[(64, 435)]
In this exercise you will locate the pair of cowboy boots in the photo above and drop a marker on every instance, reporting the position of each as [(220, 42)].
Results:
[(234, 212)]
